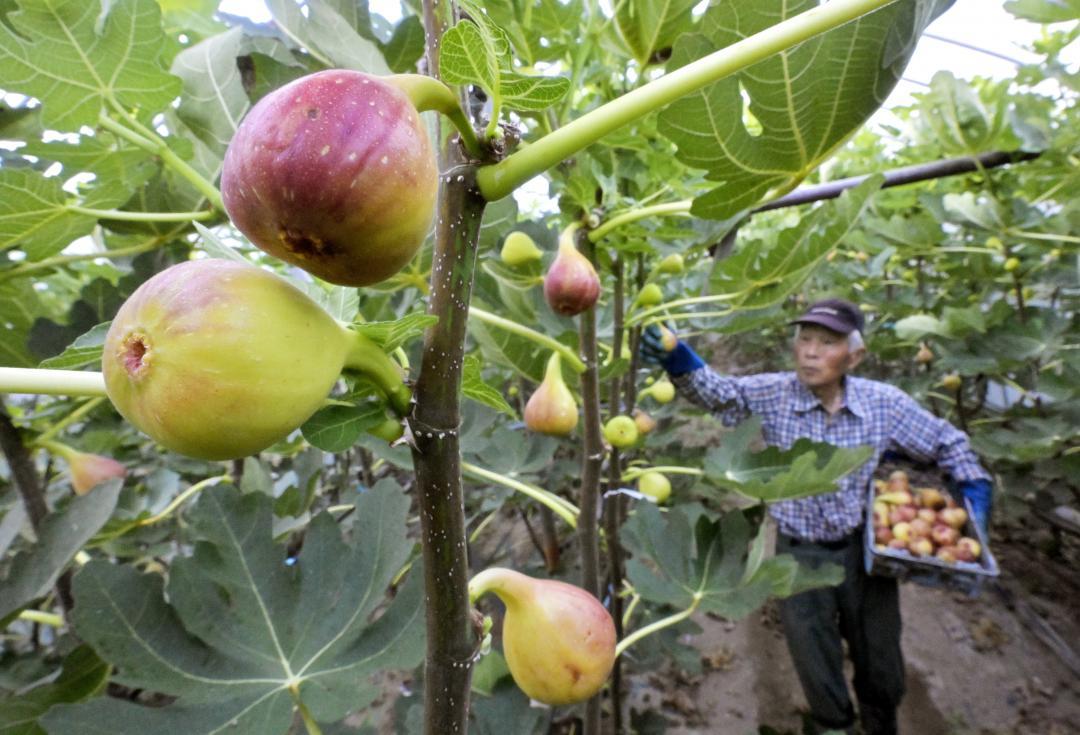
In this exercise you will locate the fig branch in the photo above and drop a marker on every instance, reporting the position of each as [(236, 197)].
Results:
[(500, 179)]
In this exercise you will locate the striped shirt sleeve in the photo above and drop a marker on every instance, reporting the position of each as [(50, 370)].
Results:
[(925, 437), (723, 395)]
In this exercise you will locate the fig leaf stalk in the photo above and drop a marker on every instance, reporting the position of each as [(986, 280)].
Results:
[(51, 382), (567, 353), (681, 207), (500, 179)]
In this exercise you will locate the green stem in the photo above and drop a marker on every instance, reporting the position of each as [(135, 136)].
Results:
[(367, 358), (625, 218), (633, 473), (532, 335), (45, 618), (71, 418), (145, 138), (560, 506), (51, 382), (1042, 236), (151, 244), (657, 626), (183, 498), (310, 724), (428, 93), (499, 180), (124, 216), (644, 314)]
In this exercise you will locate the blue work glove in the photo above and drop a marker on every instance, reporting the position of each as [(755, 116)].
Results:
[(980, 493), (677, 361)]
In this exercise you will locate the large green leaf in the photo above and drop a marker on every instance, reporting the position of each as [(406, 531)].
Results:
[(803, 102), (82, 675), (335, 33), (20, 306), (118, 169), (756, 279), (684, 558), (214, 97), (242, 628), (1045, 11), (60, 536), (336, 428), (651, 26), (807, 468), (34, 215), (64, 53), (84, 351)]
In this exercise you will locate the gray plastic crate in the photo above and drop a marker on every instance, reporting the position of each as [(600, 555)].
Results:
[(929, 571)]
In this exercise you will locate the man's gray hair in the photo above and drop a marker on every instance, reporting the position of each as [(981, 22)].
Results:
[(854, 339)]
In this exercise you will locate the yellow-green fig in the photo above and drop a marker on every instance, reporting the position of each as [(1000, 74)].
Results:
[(668, 339), (663, 391), (559, 641), (671, 265), (217, 359), (924, 355), (655, 485), (519, 249), (645, 423), (650, 295), (551, 409), (621, 432)]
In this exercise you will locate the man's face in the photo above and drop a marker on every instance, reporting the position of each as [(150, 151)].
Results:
[(822, 356)]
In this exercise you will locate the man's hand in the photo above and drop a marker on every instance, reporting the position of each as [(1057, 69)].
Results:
[(980, 493), (660, 346)]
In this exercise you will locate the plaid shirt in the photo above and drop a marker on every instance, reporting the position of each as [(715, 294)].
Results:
[(873, 413)]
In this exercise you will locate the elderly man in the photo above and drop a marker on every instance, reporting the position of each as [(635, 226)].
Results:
[(821, 401)]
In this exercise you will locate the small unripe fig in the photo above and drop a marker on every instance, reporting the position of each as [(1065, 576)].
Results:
[(217, 359), (645, 423), (655, 485), (571, 285), (87, 470), (1011, 264), (994, 243), (663, 391), (650, 295), (558, 639), (551, 409), (672, 265), (334, 173), (621, 432), (951, 381), (519, 249), (924, 355), (668, 340)]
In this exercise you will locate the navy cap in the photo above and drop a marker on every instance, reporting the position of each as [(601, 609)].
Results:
[(835, 314)]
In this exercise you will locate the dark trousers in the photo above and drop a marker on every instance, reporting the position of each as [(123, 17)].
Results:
[(865, 612)]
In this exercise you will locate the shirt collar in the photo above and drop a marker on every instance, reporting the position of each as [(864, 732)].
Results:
[(807, 401)]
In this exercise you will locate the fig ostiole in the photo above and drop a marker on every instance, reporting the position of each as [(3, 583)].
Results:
[(571, 285), (518, 249), (551, 409), (334, 173), (87, 470), (559, 640), (217, 359)]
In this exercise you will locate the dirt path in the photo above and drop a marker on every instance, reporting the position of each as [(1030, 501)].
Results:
[(973, 667)]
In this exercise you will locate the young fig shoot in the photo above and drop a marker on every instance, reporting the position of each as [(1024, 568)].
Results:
[(559, 641), (217, 360), (571, 285), (552, 409), (333, 173)]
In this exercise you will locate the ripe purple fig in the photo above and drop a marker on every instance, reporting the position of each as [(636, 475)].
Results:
[(87, 470), (571, 285), (558, 639), (334, 173), (551, 409), (217, 359)]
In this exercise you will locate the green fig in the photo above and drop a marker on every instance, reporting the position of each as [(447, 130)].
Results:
[(662, 391), (334, 172), (558, 639), (671, 265), (217, 359), (668, 340), (650, 295), (87, 470), (551, 409), (519, 249), (621, 432), (655, 485)]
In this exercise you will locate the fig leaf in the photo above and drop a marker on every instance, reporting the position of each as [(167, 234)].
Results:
[(242, 626)]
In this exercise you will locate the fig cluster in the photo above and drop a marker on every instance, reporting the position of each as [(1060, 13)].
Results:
[(559, 640), (921, 522), (333, 173)]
